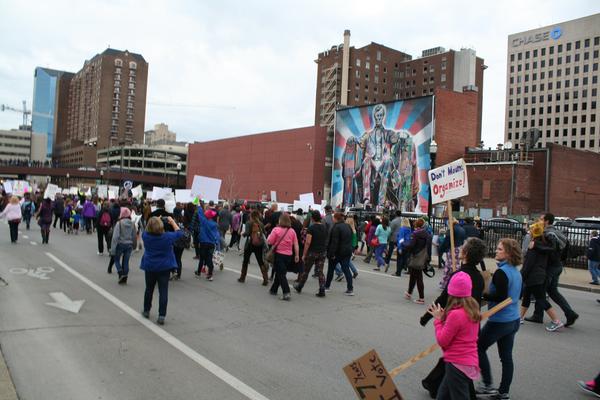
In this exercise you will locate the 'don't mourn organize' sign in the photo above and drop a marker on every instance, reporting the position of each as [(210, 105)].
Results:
[(449, 182)]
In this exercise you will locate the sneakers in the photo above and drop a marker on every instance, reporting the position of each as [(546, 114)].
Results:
[(146, 314), (554, 326), (534, 319), (484, 389), (571, 319), (100, 253), (376, 269), (285, 297), (594, 283), (588, 388), (419, 301), (320, 294), (160, 320), (197, 273), (209, 278), (339, 278), (501, 396), (387, 266), (522, 321), (349, 293), (407, 296), (297, 288), (355, 275), (122, 279)]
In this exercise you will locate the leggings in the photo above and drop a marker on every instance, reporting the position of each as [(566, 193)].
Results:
[(416, 277), (539, 293)]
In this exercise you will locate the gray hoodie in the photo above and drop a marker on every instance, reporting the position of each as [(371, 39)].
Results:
[(123, 233)]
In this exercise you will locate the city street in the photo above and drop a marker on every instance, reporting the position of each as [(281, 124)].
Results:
[(226, 340)]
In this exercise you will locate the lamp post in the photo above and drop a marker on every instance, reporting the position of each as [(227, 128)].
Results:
[(432, 154), (68, 176), (178, 171), (101, 176)]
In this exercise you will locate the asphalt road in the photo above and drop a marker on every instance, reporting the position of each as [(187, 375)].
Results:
[(226, 340)]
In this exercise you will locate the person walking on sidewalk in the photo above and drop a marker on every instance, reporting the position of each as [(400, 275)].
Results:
[(559, 243), (157, 262), (12, 213), (339, 250), (315, 252), (255, 233), (501, 327), (593, 257), (534, 274)]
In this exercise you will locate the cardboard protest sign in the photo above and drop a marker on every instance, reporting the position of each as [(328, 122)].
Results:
[(302, 205), (102, 191), (137, 192), (183, 196), (8, 187), (51, 191), (307, 198), (273, 196), (370, 379), (206, 188), (112, 194), (115, 189), (449, 182), (74, 190), (160, 193)]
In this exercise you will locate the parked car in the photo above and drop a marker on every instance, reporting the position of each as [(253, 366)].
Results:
[(579, 233), (504, 226)]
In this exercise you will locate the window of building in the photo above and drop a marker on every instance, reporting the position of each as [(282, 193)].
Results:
[(132, 65), (378, 56), (586, 55), (551, 48), (357, 73), (367, 65), (519, 68), (376, 67), (118, 62), (544, 51), (587, 43), (560, 47), (567, 59), (358, 62)]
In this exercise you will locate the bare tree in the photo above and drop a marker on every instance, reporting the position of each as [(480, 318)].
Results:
[(231, 188)]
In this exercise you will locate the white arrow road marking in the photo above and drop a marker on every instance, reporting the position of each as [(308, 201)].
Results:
[(25, 237), (63, 302)]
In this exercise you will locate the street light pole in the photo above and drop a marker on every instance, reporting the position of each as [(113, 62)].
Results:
[(178, 171), (68, 176), (432, 154)]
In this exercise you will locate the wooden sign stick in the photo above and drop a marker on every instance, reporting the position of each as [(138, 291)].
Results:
[(451, 227), (485, 315)]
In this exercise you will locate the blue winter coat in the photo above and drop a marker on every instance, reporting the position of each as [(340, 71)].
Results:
[(158, 251), (403, 237), (209, 232)]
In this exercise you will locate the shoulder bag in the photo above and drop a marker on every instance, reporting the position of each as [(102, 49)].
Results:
[(270, 257)]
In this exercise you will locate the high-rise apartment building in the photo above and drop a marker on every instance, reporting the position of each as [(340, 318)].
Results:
[(103, 105), (552, 85), (160, 135), (347, 76), (45, 90)]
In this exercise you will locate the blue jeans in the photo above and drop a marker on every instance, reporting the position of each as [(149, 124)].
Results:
[(345, 264), (162, 278), (594, 268), (338, 268), (379, 254), (123, 250), (502, 333)]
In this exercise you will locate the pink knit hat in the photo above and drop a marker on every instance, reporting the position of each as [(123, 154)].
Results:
[(125, 213), (210, 214), (460, 285)]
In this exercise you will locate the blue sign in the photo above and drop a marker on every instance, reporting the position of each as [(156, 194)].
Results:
[(556, 33)]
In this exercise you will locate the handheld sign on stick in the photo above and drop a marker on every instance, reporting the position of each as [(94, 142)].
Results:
[(371, 380)]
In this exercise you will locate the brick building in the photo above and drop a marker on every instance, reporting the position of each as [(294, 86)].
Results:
[(558, 179), (101, 106), (349, 76), (289, 162)]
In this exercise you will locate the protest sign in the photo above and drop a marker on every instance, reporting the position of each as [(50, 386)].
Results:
[(74, 190), (102, 191), (307, 198), (183, 196), (273, 196), (160, 193), (206, 188), (51, 191), (8, 187), (112, 194), (449, 182), (137, 192), (302, 205), (370, 379)]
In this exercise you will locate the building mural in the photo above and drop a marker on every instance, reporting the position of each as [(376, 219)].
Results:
[(381, 155)]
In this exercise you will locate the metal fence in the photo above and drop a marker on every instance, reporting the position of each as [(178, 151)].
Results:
[(492, 232)]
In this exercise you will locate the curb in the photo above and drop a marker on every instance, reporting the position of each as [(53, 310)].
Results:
[(579, 287), (7, 387)]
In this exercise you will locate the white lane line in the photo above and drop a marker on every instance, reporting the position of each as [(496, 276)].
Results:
[(199, 359), (383, 274), (238, 271), (25, 237), (33, 243)]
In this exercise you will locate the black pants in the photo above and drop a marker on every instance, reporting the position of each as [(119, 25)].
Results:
[(552, 277), (152, 278), (539, 293), (250, 249), (416, 277), (206, 255), (178, 253), (13, 226), (57, 217), (390, 250), (281, 264), (102, 237), (235, 239), (455, 385)]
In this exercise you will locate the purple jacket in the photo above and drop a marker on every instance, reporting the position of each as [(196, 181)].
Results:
[(89, 211)]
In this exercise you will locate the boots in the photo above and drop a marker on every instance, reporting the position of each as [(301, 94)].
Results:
[(265, 275), (242, 277)]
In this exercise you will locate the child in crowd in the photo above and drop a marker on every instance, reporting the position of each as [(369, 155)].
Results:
[(456, 331), (76, 217)]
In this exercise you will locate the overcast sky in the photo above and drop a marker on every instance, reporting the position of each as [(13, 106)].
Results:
[(228, 68)]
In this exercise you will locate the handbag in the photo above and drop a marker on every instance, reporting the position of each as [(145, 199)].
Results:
[(418, 260), (217, 259), (270, 257), (375, 242)]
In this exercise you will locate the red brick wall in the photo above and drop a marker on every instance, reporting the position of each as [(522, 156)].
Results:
[(289, 162), (575, 183), (456, 123)]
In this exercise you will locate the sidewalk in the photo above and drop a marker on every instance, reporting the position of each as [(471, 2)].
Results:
[(7, 389)]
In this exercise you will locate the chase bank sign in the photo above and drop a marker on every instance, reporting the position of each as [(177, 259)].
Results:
[(553, 34)]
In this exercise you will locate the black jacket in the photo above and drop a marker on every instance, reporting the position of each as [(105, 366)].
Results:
[(471, 230), (419, 239), (593, 251), (535, 264), (476, 290), (340, 241)]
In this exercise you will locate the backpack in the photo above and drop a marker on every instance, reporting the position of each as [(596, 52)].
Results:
[(27, 209), (105, 220), (185, 240)]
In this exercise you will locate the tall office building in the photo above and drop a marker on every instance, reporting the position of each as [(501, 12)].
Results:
[(552, 85), (160, 135), (104, 105), (44, 111)]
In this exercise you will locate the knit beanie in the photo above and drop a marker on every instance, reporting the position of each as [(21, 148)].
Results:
[(536, 229), (210, 214), (125, 213), (460, 285)]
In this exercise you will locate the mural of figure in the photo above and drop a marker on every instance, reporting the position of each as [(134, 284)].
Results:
[(383, 153)]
